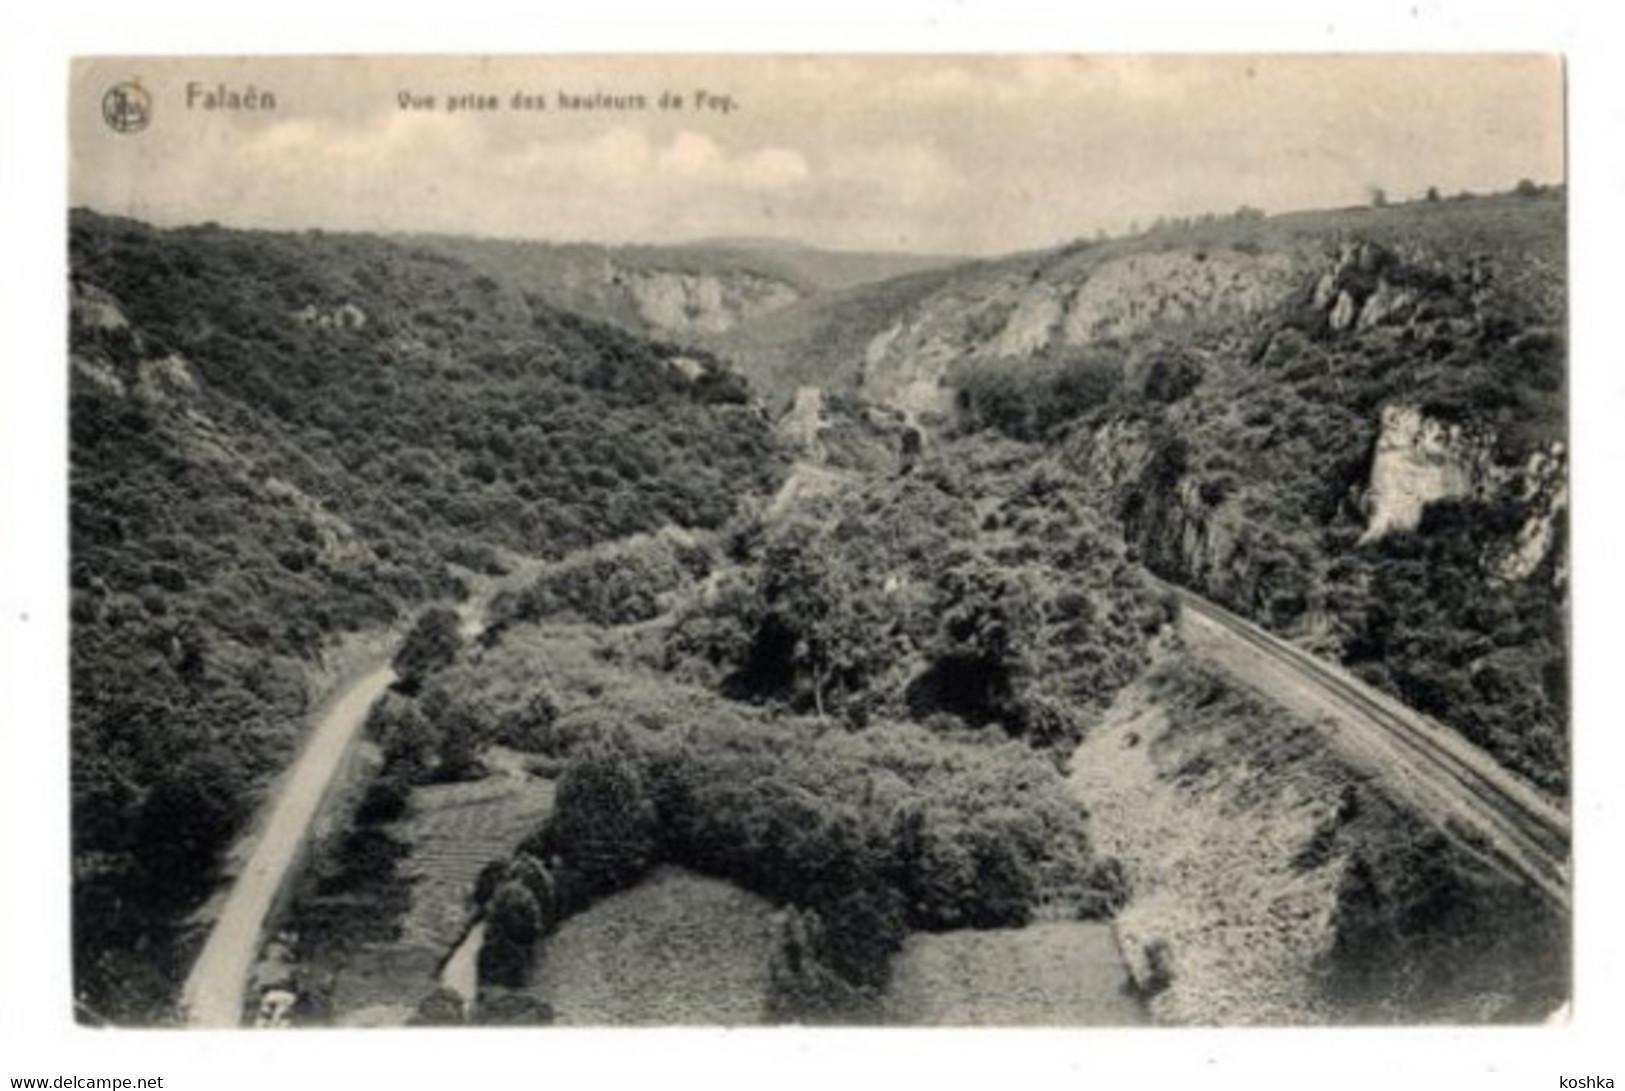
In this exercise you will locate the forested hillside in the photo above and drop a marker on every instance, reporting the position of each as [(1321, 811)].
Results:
[(1349, 425), (281, 439), (853, 695)]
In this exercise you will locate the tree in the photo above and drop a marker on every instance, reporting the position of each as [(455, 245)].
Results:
[(403, 732), (490, 877), (187, 816), (514, 915), (433, 644), (533, 875), (512, 926), (816, 608), (604, 819), (529, 727)]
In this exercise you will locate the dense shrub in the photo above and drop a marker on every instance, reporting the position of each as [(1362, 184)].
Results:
[(977, 586), (870, 835), (1028, 399), (605, 822), (431, 645), (619, 584)]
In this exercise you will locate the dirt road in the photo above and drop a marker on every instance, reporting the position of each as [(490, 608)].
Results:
[(1483, 806), (213, 996)]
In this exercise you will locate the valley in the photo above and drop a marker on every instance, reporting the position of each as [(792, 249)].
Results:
[(840, 659)]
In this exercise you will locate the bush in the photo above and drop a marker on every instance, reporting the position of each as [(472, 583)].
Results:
[(1106, 891), (1159, 969), (513, 916), (962, 835), (604, 822), (432, 645), (1171, 376), (386, 797), (529, 727), (441, 1008), (507, 1007)]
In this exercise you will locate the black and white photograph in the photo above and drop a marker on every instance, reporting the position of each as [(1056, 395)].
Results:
[(885, 541)]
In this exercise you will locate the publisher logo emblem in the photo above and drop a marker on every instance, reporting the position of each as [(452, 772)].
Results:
[(127, 107)]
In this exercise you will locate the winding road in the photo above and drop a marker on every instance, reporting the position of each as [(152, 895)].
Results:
[(1484, 806), (213, 995)]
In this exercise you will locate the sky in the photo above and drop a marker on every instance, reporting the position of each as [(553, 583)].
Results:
[(944, 154)]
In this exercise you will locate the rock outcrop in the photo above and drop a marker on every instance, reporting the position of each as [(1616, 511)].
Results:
[(1420, 461), (799, 427), (1362, 289), (681, 302), (1543, 491), (92, 308), (122, 361), (345, 316), (1032, 324), (1133, 294), (1016, 314)]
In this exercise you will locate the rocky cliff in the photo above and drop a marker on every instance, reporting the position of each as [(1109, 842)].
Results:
[(676, 302), (1420, 461), (1080, 297), (1348, 426)]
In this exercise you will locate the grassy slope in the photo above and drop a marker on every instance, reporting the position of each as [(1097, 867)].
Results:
[(1053, 973), (677, 949)]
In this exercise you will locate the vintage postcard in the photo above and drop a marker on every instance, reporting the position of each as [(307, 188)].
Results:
[(1064, 541)]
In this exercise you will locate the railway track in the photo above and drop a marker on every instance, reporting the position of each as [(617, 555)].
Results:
[(1503, 817)]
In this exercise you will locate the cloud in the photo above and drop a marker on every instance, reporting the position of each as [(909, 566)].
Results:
[(696, 157), (943, 153)]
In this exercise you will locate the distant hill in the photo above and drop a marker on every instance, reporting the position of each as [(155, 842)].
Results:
[(822, 340), (686, 292), (829, 270)]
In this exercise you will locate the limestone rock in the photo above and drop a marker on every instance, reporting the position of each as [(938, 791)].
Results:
[(1342, 316), (681, 302), (1129, 295), (1031, 325), (1419, 461)]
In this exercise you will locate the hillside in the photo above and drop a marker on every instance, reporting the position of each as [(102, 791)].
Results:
[(1349, 425), (823, 340), (284, 442), (691, 292), (889, 666)]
